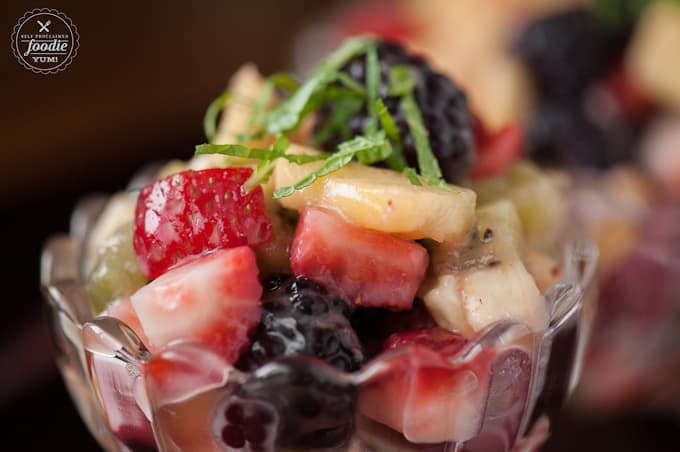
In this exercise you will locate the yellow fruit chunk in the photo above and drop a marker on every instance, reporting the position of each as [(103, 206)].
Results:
[(383, 200), (652, 59)]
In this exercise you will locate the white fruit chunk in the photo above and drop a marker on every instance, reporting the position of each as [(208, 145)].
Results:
[(652, 59), (383, 200), (485, 281)]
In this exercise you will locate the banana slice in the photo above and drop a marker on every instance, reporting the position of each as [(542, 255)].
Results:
[(486, 280), (383, 200)]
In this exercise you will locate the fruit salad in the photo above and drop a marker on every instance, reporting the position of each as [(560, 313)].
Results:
[(593, 88), (335, 269)]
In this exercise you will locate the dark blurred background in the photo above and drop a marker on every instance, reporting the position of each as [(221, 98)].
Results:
[(136, 92)]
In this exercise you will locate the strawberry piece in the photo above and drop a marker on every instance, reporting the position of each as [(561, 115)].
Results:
[(496, 151), (422, 394), (213, 299), (191, 212), (629, 97), (116, 386), (383, 20), (123, 311), (116, 393), (370, 268)]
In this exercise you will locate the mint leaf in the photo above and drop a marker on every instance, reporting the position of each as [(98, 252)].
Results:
[(342, 112), (288, 114), (619, 13), (427, 162), (372, 82), (396, 159), (350, 83), (412, 176), (402, 81), (211, 114), (373, 147), (237, 150)]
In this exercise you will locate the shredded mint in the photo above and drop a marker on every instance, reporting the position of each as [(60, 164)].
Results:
[(342, 112), (412, 175), (372, 82), (350, 83), (211, 114), (277, 151), (402, 81), (284, 81), (396, 159), (289, 113), (427, 162), (264, 168), (376, 146)]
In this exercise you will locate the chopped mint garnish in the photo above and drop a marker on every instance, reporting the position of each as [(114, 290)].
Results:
[(372, 82), (402, 81), (211, 114), (376, 146), (277, 151), (427, 162), (342, 112), (396, 159), (350, 83), (330, 87), (288, 114), (412, 176), (264, 168)]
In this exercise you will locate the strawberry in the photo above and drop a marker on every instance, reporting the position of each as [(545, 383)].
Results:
[(496, 150), (213, 299), (116, 386), (422, 393), (123, 311), (192, 212), (370, 268), (381, 20)]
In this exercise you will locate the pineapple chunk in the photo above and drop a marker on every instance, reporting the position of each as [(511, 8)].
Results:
[(485, 281), (383, 200), (652, 59), (245, 85)]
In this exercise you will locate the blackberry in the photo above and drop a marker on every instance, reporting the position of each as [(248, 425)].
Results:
[(443, 105), (374, 325), (567, 51), (563, 134), (302, 318), (290, 402), (244, 424)]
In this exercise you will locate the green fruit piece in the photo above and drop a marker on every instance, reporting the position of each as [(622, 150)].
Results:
[(116, 273), (540, 204)]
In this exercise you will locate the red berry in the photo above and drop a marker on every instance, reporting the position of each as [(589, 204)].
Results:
[(423, 392), (191, 212), (370, 268), (382, 20), (214, 300), (495, 151)]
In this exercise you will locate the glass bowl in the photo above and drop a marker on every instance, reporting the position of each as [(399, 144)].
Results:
[(499, 390)]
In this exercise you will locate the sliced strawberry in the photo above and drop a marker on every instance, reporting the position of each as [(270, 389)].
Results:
[(191, 212), (122, 310), (213, 299), (422, 394), (495, 151), (629, 97), (116, 386), (370, 268), (380, 19), (116, 391)]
